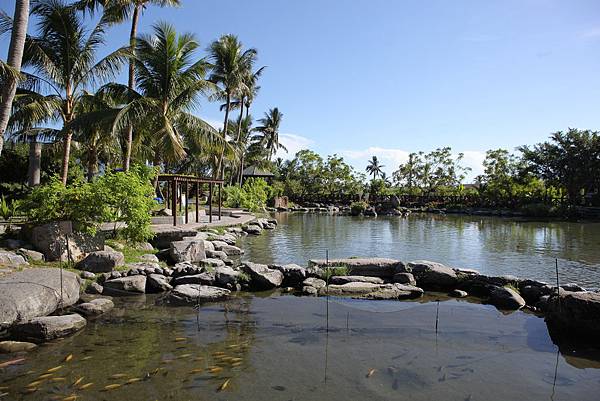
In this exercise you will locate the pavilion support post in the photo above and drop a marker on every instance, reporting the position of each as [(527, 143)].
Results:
[(220, 187), (174, 184), (186, 202), (210, 193), (167, 199), (197, 202)]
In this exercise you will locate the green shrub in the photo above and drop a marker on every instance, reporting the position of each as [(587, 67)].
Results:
[(252, 195), (358, 208), (331, 271), (125, 197)]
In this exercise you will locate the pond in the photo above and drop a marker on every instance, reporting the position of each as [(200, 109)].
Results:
[(271, 347), (492, 245)]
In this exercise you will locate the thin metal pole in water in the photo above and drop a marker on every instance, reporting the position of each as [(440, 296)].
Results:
[(347, 321), (555, 374), (327, 311), (437, 316)]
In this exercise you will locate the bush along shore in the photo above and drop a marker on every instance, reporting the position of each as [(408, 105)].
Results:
[(191, 268)]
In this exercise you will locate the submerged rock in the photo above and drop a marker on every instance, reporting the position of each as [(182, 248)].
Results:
[(505, 298), (8, 347), (190, 294), (41, 329), (101, 261), (36, 292), (432, 275)]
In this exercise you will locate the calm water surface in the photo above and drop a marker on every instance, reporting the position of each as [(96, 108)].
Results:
[(495, 246), (269, 347)]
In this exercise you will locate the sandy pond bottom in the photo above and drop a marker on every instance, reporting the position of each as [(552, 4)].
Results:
[(268, 347)]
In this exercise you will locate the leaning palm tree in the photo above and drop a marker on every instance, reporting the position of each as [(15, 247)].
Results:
[(170, 82), (15, 55), (230, 67), (374, 167), (118, 11), (62, 58), (268, 131)]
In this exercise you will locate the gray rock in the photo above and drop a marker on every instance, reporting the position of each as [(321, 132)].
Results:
[(226, 276), (35, 292), (29, 254), (458, 293), (94, 288), (157, 283), (190, 294), (12, 260), (149, 257), (309, 290), (143, 246), (405, 278), (505, 298), (395, 291), (432, 275), (202, 278), (374, 267), (165, 234), (95, 307), (9, 347), (143, 266), (314, 282), (211, 262), (292, 273), (217, 255), (261, 277), (572, 287), (187, 251), (87, 275), (208, 247), (358, 279), (576, 314), (231, 250), (373, 291), (41, 329), (252, 229), (51, 240), (131, 285), (101, 261)]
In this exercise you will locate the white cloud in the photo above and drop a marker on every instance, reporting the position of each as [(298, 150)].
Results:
[(391, 158), (294, 143)]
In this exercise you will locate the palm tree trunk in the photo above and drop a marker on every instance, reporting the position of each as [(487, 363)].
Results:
[(35, 162), (66, 156), (239, 134), (92, 164), (15, 56), (241, 169), (220, 165), (131, 83)]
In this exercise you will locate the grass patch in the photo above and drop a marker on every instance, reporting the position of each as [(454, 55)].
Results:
[(512, 287), (244, 277), (331, 271)]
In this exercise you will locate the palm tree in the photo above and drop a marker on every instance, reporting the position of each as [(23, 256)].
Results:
[(230, 66), (269, 132), (169, 83), (118, 11), (15, 56), (62, 58), (240, 133), (374, 167)]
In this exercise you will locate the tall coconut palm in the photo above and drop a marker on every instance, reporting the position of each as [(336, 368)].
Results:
[(230, 66), (14, 60), (374, 167), (268, 131), (170, 82), (118, 11), (63, 60)]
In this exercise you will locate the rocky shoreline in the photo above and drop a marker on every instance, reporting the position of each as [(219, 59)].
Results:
[(42, 304)]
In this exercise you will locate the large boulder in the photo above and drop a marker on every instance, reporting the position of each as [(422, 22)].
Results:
[(29, 254), (505, 298), (374, 267), (314, 282), (190, 294), (252, 229), (404, 278), (157, 283), (165, 234), (226, 276), (101, 261), (355, 279), (395, 291), (95, 307), (575, 313), (261, 277), (187, 251), (372, 290), (231, 250), (202, 278), (293, 274), (36, 292), (51, 240), (12, 260), (46, 328), (432, 275), (131, 285)]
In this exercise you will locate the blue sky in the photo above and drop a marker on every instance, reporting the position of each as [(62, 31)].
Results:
[(360, 77)]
